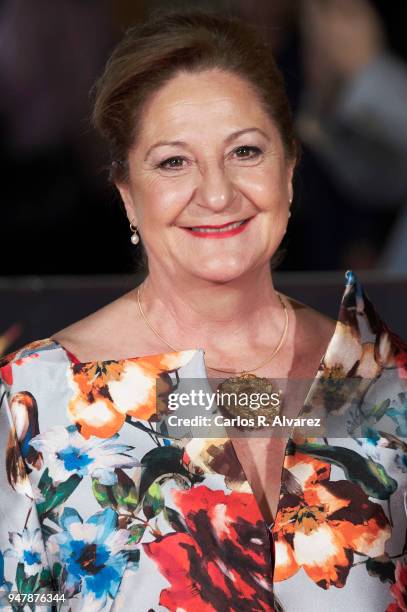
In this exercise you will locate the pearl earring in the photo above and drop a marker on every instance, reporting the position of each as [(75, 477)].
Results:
[(289, 212), (135, 238)]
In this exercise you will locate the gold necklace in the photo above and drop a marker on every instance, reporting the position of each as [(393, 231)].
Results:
[(245, 383)]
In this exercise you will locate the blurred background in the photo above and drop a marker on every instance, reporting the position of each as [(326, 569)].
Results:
[(65, 247)]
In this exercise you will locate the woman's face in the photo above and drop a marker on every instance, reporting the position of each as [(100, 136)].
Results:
[(207, 154)]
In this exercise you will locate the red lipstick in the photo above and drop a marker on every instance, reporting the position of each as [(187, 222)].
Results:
[(216, 231)]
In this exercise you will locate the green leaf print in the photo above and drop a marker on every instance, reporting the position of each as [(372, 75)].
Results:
[(175, 519), (56, 570), (103, 494), (153, 502), (382, 567), (45, 578), (368, 474), (121, 497), (377, 411), (125, 492), (137, 532), (55, 495), (20, 576), (164, 461), (26, 584)]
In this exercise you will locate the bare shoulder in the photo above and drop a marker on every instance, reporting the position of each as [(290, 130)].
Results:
[(104, 334)]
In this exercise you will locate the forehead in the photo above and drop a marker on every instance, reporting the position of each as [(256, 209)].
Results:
[(210, 99)]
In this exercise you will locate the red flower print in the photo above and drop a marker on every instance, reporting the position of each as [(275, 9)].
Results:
[(6, 374), (222, 560), (399, 589), (401, 361)]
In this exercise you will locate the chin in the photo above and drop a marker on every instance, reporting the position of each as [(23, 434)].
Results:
[(220, 271)]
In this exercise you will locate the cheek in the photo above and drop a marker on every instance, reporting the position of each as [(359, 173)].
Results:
[(164, 198), (265, 187)]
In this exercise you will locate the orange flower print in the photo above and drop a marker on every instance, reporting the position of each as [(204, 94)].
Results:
[(360, 359), (320, 529), (106, 392)]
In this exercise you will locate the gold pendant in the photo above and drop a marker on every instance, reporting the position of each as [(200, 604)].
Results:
[(240, 392)]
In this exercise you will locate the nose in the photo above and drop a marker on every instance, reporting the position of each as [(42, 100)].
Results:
[(215, 190)]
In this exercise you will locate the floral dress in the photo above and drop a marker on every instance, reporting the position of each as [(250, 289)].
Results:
[(100, 505)]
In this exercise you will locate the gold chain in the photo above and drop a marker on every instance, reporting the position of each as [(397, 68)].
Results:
[(276, 350)]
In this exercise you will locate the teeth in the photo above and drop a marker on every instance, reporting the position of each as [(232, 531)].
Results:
[(227, 228)]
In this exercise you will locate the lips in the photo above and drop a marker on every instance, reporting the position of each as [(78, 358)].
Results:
[(218, 231)]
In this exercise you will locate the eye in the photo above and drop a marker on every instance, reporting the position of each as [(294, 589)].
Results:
[(172, 163), (247, 152)]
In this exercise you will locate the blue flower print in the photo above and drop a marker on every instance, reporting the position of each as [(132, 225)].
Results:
[(94, 554), (28, 547), (67, 452)]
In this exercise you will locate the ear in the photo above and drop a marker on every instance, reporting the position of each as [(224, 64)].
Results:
[(290, 176), (126, 196)]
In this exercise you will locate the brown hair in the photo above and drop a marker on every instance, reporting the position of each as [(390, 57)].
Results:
[(152, 53)]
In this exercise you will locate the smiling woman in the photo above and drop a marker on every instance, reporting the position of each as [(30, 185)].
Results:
[(102, 497), (221, 162), (146, 60)]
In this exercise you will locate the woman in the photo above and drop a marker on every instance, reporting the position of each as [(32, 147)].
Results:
[(100, 502)]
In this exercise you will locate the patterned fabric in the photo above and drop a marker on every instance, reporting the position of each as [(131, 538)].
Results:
[(101, 505)]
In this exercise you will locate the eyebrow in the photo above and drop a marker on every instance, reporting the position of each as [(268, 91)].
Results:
[(246, 131), (230, 138), (163, 143)]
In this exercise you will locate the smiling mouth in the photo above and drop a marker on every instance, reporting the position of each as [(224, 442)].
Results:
[(218, 229)]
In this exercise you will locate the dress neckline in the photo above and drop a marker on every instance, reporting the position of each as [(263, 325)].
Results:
[(351, 280), (74, 359), (205, 382)]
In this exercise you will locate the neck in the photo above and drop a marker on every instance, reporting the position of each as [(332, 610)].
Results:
[(219, 317)]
